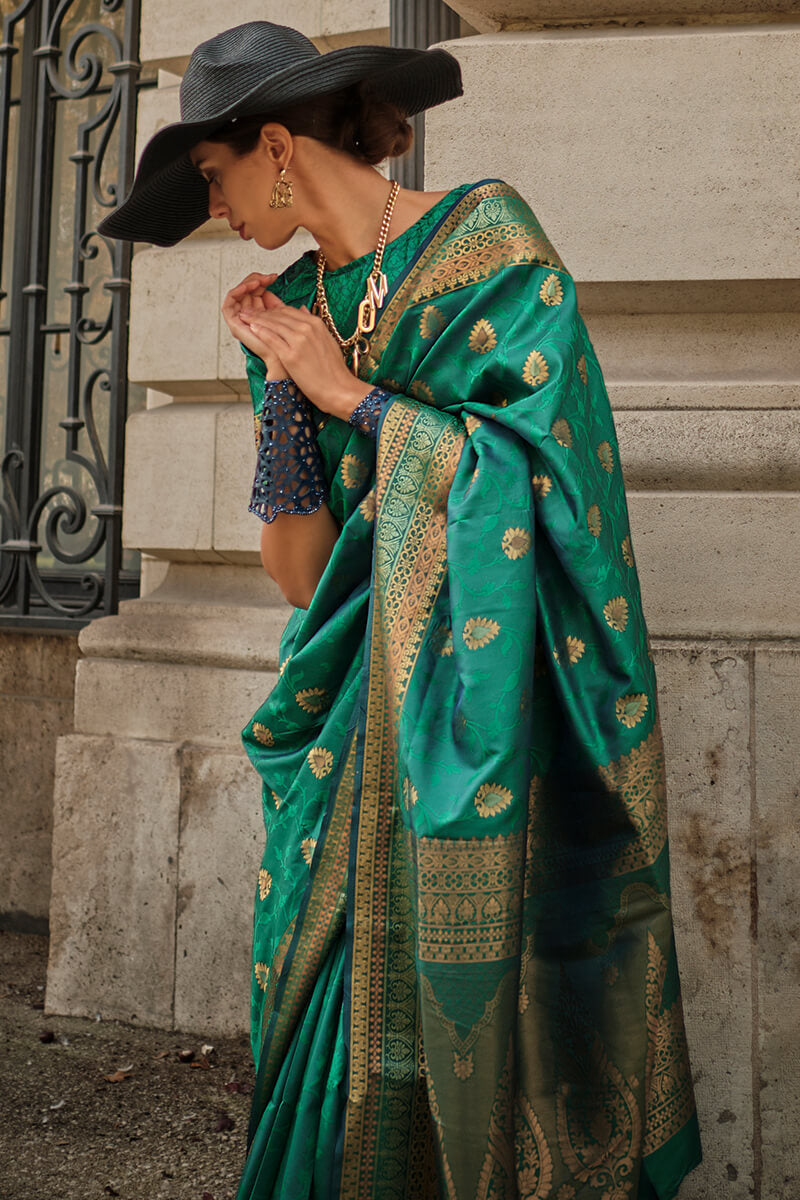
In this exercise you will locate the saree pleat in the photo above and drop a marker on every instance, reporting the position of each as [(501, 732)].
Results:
[(464, 783)]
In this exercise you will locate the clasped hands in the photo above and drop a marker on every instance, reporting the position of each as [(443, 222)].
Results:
[(294, 344)]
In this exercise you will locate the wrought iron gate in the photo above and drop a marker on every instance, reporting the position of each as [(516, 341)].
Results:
[(68, 82)]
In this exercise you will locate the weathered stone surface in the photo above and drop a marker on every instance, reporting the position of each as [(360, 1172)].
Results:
[(710, 451), (169, 463), (112, 914), (167, 702), (36, 681), (619, 142), (777, 691), (34, 664), (718, 564), (222, 838), (172, 31), (486, 16), (704, 700), (719, 348)]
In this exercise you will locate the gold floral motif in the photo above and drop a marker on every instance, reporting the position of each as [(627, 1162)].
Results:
[(320, 761), (599, 1127), (611, 974), (307, 848), (313, 700), (410, 793), (262, 975), (479, 631), (631, 708), (606, 456), (472, 423), (551, 292), (518, 1147), (262, 734), (523, 1000), (566, 1192), (442, 640), (421, 391), (572, 649), (582, 369), (482, 337), (473, 477), (367, 506), (627, 550), (561, 431), (276, 800), (536, 370), (616, 613), (541, 486), (516, 542), (284, 664), (354, 471), (594, 521), (431, 322), (491, 799), (264, 883), (469, 898), (463, 1067), (669, 1094)]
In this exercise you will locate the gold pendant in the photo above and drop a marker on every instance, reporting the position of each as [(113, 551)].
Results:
[(377, 291), (366, 316)]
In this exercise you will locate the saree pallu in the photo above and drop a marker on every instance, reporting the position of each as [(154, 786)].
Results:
[(465, 981)]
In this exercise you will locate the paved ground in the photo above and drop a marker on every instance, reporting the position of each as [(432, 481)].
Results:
[(159, 1129)]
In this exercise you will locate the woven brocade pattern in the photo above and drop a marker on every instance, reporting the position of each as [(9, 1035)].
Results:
[(366, 415), (289, 476)]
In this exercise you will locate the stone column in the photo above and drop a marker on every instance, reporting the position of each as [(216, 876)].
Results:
[(157, 829), (657, 145)]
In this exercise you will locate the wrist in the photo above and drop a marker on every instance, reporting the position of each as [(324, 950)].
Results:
[(346, 398)]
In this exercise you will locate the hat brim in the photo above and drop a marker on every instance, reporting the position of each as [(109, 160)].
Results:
[(169, 197)]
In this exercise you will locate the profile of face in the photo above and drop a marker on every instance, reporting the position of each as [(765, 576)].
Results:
[(240, 187)]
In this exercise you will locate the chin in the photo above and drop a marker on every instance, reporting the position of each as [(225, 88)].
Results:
[(273, 241)]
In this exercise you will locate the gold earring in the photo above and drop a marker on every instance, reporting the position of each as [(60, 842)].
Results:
[(282, 192)]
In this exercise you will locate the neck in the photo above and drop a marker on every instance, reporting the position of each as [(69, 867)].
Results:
[(343, 211)]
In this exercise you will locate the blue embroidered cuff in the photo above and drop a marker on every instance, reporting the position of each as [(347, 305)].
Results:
[(289, 476), (366, 414)]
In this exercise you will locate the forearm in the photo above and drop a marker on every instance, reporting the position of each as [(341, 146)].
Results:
[(295, 551)]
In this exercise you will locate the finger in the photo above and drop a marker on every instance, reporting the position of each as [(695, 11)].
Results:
[(253, 282)]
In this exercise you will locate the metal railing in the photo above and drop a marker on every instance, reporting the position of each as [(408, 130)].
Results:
[(68, 87)]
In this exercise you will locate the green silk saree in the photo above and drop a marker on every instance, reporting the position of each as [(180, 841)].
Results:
[(465, 984)]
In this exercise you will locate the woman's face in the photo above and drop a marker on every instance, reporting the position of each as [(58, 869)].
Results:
[(239, 191)]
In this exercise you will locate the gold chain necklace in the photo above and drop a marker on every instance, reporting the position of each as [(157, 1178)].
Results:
[(377, 289)]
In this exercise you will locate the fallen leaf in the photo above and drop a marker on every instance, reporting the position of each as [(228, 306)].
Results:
[(236, 1085), (117, 1076), (206, 1049), (162, 1054), (224, 1123), (203, 1063), (185, 1056), (47, 1036), (207, 1196)]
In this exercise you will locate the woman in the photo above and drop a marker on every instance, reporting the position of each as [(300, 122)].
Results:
[(465, 981)]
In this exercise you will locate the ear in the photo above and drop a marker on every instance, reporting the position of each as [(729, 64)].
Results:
[(276, 143)]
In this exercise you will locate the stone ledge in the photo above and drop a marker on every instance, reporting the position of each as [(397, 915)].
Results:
[(638, 171)]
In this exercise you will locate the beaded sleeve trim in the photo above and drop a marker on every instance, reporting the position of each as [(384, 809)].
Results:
[(366, 414), (289, 476)]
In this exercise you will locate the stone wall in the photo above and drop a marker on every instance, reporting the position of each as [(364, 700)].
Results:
[(37, 675)]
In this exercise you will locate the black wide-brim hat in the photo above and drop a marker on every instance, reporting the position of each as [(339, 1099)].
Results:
[(248, 71)]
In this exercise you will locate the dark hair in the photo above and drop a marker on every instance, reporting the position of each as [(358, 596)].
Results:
[(352, 119)]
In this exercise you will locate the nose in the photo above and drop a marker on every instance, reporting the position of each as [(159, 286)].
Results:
[(216, 205)]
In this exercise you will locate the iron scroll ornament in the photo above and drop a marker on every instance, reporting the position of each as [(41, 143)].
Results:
[(60, 528)]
